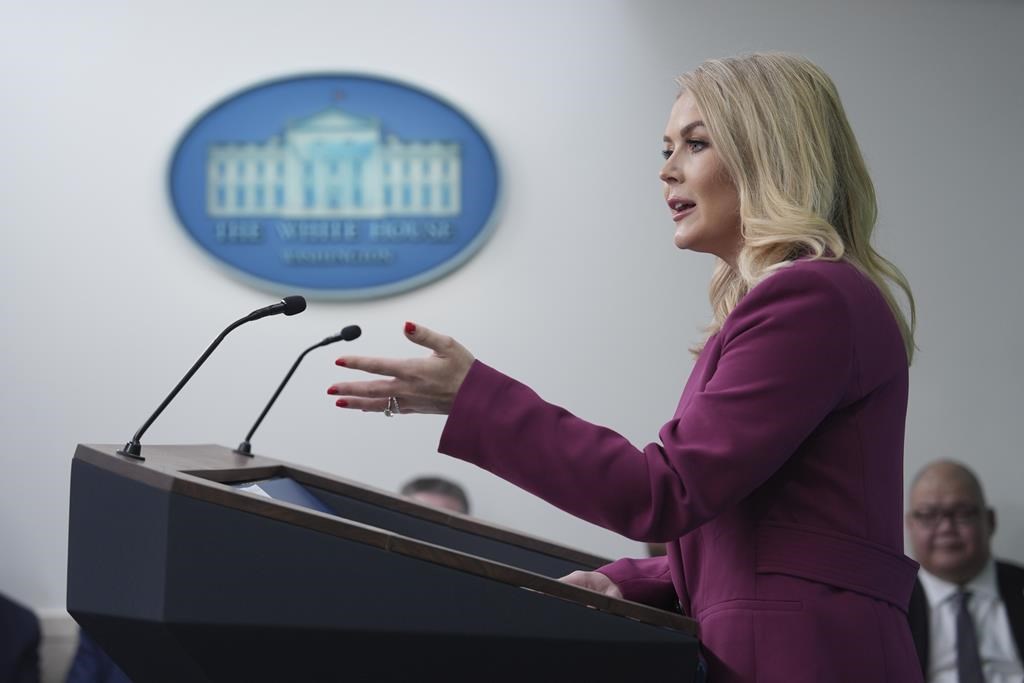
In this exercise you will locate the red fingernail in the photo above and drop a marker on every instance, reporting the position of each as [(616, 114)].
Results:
[(341, 362), (341, 403), (332, 391), (409, 328)]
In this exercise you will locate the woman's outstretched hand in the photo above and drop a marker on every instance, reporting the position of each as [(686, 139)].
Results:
[(415, 385), (595, 581)]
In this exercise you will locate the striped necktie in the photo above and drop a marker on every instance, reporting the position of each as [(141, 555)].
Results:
[(968, 659)]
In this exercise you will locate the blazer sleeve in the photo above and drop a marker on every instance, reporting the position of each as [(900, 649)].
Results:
[(785, 364), (647, 580)]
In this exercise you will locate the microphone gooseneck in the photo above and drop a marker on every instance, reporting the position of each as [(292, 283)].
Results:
[(290, 305), (347, 334)]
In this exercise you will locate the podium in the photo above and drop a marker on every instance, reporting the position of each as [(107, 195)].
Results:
[(199, 564)]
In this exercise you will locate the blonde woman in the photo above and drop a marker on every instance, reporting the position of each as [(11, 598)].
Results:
[(777, 484)]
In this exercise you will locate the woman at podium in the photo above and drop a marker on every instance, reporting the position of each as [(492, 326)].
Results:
[(777, 484)]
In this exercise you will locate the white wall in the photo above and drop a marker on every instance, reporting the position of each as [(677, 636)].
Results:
[(580, 292)]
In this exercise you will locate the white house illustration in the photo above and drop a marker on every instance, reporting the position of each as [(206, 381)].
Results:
[(333, 165)]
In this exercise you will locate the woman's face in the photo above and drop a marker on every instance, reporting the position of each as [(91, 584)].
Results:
[(701, 196)]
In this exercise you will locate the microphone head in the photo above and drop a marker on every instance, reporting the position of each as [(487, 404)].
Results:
[(293, 305), (347, 334)]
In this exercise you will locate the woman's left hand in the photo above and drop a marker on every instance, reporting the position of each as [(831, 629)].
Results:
[(594, 581), (416, 385)]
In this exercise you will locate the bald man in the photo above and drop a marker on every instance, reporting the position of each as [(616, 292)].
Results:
[(967, 609), (439, 493)]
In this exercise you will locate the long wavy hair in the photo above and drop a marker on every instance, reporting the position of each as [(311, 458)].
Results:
[(804, 189)]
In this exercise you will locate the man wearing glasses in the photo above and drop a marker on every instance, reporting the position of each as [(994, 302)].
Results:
[(967, 609)]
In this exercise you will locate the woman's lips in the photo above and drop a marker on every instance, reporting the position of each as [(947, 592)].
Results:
[(681, 208), (680, 214)]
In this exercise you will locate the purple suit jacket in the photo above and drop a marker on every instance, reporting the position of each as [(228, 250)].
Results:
[(777, 484)]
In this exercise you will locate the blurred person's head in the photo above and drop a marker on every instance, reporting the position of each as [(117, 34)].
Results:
[(437, 492), (949, 523), (656, 549)]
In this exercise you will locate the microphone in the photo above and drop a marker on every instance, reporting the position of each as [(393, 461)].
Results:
[(347, 334), (290, 305)]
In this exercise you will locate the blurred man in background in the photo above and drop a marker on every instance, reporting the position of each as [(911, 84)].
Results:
[(967, 609), (437, 492), (19, 643)]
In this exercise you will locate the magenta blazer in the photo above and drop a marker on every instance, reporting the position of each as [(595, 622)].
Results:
[(777, 484)]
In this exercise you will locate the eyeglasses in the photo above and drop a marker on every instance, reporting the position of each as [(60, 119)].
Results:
[(929, 518)]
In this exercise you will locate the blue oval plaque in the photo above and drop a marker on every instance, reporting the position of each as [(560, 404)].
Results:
[(336, 185)]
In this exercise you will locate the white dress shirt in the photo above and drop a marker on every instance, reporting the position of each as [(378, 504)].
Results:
[(999, 657)]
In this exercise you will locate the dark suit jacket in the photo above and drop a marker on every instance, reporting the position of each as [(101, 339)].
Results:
[(93, 665), (19, 643), (1009, 578)]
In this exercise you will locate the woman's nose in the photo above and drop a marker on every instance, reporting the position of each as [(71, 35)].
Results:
[(669, 173)]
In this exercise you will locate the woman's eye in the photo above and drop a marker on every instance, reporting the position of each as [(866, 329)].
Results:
[(696, 145), (666, 153)]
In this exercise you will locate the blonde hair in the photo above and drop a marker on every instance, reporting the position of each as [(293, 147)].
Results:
[(804, 189)]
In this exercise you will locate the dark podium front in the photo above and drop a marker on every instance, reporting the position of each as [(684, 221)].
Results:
[(183, 570)]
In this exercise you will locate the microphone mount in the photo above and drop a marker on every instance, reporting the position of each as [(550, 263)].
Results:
[(347, 334), (290, 305)]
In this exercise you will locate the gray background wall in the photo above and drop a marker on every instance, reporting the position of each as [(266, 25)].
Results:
[(580, 292)]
